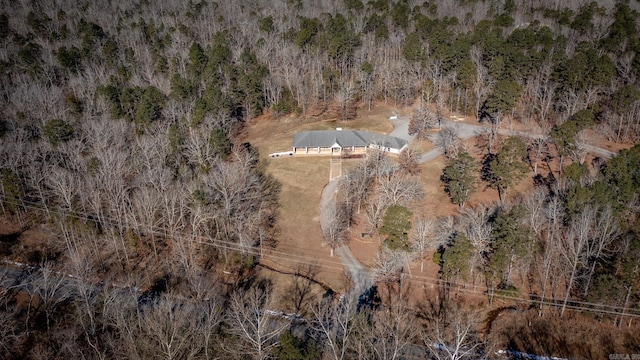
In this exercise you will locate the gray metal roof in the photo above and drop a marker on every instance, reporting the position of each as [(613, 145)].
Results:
[(345, 138)]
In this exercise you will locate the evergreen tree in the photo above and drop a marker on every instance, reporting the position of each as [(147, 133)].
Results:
[(622, 175), (508, 167), (459, 177), (502, 99), (12, 189), (250, 83), (511, 240), (5, 29), (308, 30), (291, 348), (396, 225), (182, 88), (197, 60), (455, 259), (413, 49), (150, 107), (69, 58), (219, 142), (57, 131), (564, 135)]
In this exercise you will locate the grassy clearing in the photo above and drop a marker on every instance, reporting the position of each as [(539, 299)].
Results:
[(299, 234), (303, 179), (436, 202)]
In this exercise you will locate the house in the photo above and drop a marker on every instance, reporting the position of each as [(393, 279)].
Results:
[(330, 142)]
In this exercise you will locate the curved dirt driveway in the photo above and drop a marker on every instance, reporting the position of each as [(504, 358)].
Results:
[(358, 274)]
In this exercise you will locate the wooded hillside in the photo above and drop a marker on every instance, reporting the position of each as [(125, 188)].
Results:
[(123, 145)]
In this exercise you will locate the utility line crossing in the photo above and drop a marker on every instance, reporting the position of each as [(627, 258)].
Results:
[(334, 265)]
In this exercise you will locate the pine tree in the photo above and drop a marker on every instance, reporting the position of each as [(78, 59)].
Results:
[(512, 240), (150, 108), (396, 225), (57, 131), (507, 168), (459, 178), (455, 260)]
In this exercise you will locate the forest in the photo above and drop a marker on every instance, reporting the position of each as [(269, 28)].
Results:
[(134, 212)]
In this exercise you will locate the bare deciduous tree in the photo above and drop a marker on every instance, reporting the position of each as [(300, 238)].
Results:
[(455, 337), (400, 190), (302, 290), (486, 139), (447, 141), (50, 289), (333, 222), (422, 121), (381, 165), (334, 321), (423, 239), (537, 149), (542, 91), (574, 246), (391, 333), (355, 186), (65, 184), (346, 103), (483, 84), (477, 227), (604, 231), (535, 204), (388, 264), (442, 85), (581, 146), (164, 327), (547, 267), (254, 323), (408, 160), (375, 210), (445, 229)]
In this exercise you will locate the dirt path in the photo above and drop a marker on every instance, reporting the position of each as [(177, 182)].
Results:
[(358, 274)]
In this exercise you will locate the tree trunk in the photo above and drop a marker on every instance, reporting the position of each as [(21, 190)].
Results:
[(569, 286), (547, 267), (560, 168), (509, 269), (624, 308)]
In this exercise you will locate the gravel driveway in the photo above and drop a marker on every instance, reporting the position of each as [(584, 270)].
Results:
[(359, 275)]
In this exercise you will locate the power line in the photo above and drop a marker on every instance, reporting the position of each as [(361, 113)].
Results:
[(198, 239), (336, 266)]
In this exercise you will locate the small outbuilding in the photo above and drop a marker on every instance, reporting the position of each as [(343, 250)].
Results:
[(335, 141)]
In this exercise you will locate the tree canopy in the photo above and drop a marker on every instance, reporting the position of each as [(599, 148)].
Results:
[(396, 225), (459, 178)]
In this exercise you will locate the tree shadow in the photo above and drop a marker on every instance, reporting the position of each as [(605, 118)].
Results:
[(301, 291), (486, 174), (436, 304), (159, 286), (369, 300)]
